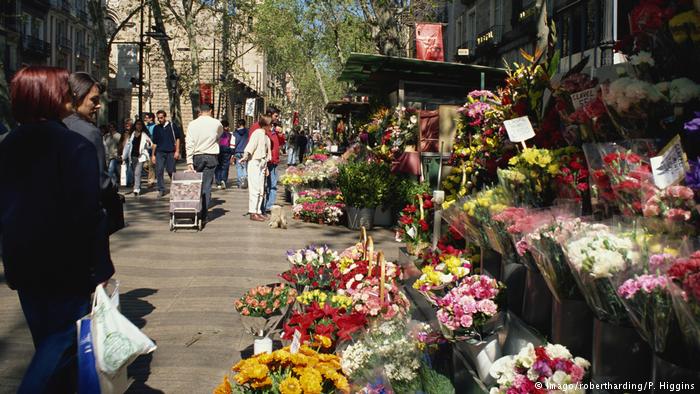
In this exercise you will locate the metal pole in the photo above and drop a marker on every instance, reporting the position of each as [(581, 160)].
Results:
[(483, 80), (141, 44), (213, 75)]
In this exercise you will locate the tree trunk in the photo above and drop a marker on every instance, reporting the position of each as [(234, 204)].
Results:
[(194, 63), (173, 95)]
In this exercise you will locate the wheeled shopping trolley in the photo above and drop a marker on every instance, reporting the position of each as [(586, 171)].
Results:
[(186, 201)]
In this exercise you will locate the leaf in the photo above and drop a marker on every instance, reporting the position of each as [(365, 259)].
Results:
[(554, 64), (526, 55)]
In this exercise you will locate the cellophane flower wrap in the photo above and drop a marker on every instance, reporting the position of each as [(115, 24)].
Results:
[(444, 269), (466, 309), (262, 307), (632, 103), (645, 293), (283, 372), (415, 223), (545, 247), (671, 210), (319, 206), (528, 180), (685, 290), (312, 255), (500, 238), (313, 174), (537, 369), (390, 347), (595, 255), (480, 208)]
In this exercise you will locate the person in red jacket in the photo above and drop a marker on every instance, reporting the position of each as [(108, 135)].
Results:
[(276, 140)]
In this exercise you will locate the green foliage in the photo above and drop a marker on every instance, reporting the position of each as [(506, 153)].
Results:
[(364, 184), (433, 382), (404, 189)]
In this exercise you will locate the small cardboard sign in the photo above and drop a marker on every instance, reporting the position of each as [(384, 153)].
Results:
[(334, 148), (580, 99), (671, 165), (296, 342), (519, 129)]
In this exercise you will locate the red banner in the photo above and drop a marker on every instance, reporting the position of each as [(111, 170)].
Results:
[(295, 119), (429, 42), (205, 94)]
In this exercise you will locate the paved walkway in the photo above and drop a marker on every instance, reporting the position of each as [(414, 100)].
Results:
[(179, 287)]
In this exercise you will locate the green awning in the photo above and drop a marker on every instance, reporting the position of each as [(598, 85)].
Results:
[(344, 107), (368, 72)]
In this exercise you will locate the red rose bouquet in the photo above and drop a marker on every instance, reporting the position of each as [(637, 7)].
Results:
[(685, 290), (415, 224)]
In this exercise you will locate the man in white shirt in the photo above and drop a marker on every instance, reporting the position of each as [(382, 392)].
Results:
[(202, 145)]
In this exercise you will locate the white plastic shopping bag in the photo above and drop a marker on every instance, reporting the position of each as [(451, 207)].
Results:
[(116, 341), (122, 175)]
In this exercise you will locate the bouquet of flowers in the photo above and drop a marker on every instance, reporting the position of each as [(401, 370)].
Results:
[(373, 300), (590, 121), (285, 372), (401, 131), (415, 227), (572, 177), (594, 257), (337, 324), (647, 298), (447, 271), (685, 290), (464, 311), (292, 176), (674, 207), (317, 206), (480, 208), (536, 369), (314, 256), (262, 307), (320, 277), (632, 104), (322, 297)]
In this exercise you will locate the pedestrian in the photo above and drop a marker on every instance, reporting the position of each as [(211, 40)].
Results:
[(226, 146), (256, 155), (201, 144), (165, 150), (136, 154), (149, 119), (55, 247), (270, 198), (111, 139), (127, 125), (302, 142), (292, 154), (240, 136)]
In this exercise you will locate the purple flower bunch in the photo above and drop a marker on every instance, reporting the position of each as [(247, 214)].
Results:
[(693, 125), (470, 305)]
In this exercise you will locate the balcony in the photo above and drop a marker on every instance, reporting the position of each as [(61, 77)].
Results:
[(82, 51), (65, 44), (490, 37), (36, 46)]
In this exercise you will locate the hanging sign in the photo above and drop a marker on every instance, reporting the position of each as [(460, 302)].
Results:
[(205, 94), (519, 129), (580, 99), (671, 164), (250, 107), (429, 42)]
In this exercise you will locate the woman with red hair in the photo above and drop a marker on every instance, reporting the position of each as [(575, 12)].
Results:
[(55, 246)]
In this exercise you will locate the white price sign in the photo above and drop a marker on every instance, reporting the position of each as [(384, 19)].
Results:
[(250, 107), (296, 342), (671, 164), (580, 99), (519, 129)]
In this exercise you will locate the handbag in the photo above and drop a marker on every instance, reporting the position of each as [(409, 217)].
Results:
[(122, 174)]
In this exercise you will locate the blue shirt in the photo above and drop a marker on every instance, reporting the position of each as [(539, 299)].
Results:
[(164, 137), (241, 136), (150, 127)]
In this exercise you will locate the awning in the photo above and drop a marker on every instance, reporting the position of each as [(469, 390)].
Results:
[(345, 107), (371, 72)]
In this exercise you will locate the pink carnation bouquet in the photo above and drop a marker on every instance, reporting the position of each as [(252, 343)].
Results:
[(464, 311)]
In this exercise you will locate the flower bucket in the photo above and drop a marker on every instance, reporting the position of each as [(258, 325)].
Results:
[(572, 326), (514, 279), (288, 194), (383, 217), (360, 217), (537, 302), (619, 354), (666, 371), (491, 263), (481, 353)]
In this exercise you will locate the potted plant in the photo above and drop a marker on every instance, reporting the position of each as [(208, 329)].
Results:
[(364, 186)]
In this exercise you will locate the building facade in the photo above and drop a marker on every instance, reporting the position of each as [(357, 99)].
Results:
[(47, 32), (491, 32)]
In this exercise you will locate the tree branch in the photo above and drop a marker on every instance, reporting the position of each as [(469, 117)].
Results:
[(126, 20)]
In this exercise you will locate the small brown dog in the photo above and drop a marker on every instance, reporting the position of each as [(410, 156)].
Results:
[(278, 219)]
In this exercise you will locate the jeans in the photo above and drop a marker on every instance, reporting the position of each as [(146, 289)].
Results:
[(137, 168), (270, 187), (241, 170), (291, 156), (113, 171), (51, 319), (222, 168), (256, 185), (206, 164), (164, 161)]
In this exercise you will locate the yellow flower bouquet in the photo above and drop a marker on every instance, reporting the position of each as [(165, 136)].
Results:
[(284, 372)]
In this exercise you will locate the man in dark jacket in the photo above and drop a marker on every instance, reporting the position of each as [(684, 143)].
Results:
[(166, 149), (240, 136)]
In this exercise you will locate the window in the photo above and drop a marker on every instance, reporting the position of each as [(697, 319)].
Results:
[(496, 14), (471, 27), (459, 31), (580, 26)]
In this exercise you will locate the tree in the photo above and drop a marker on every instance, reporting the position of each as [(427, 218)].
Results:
[(171, 79)]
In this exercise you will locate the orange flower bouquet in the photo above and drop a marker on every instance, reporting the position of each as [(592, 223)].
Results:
[(262, 307)]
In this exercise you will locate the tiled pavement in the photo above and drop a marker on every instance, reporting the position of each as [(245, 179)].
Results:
[(179, 288)]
